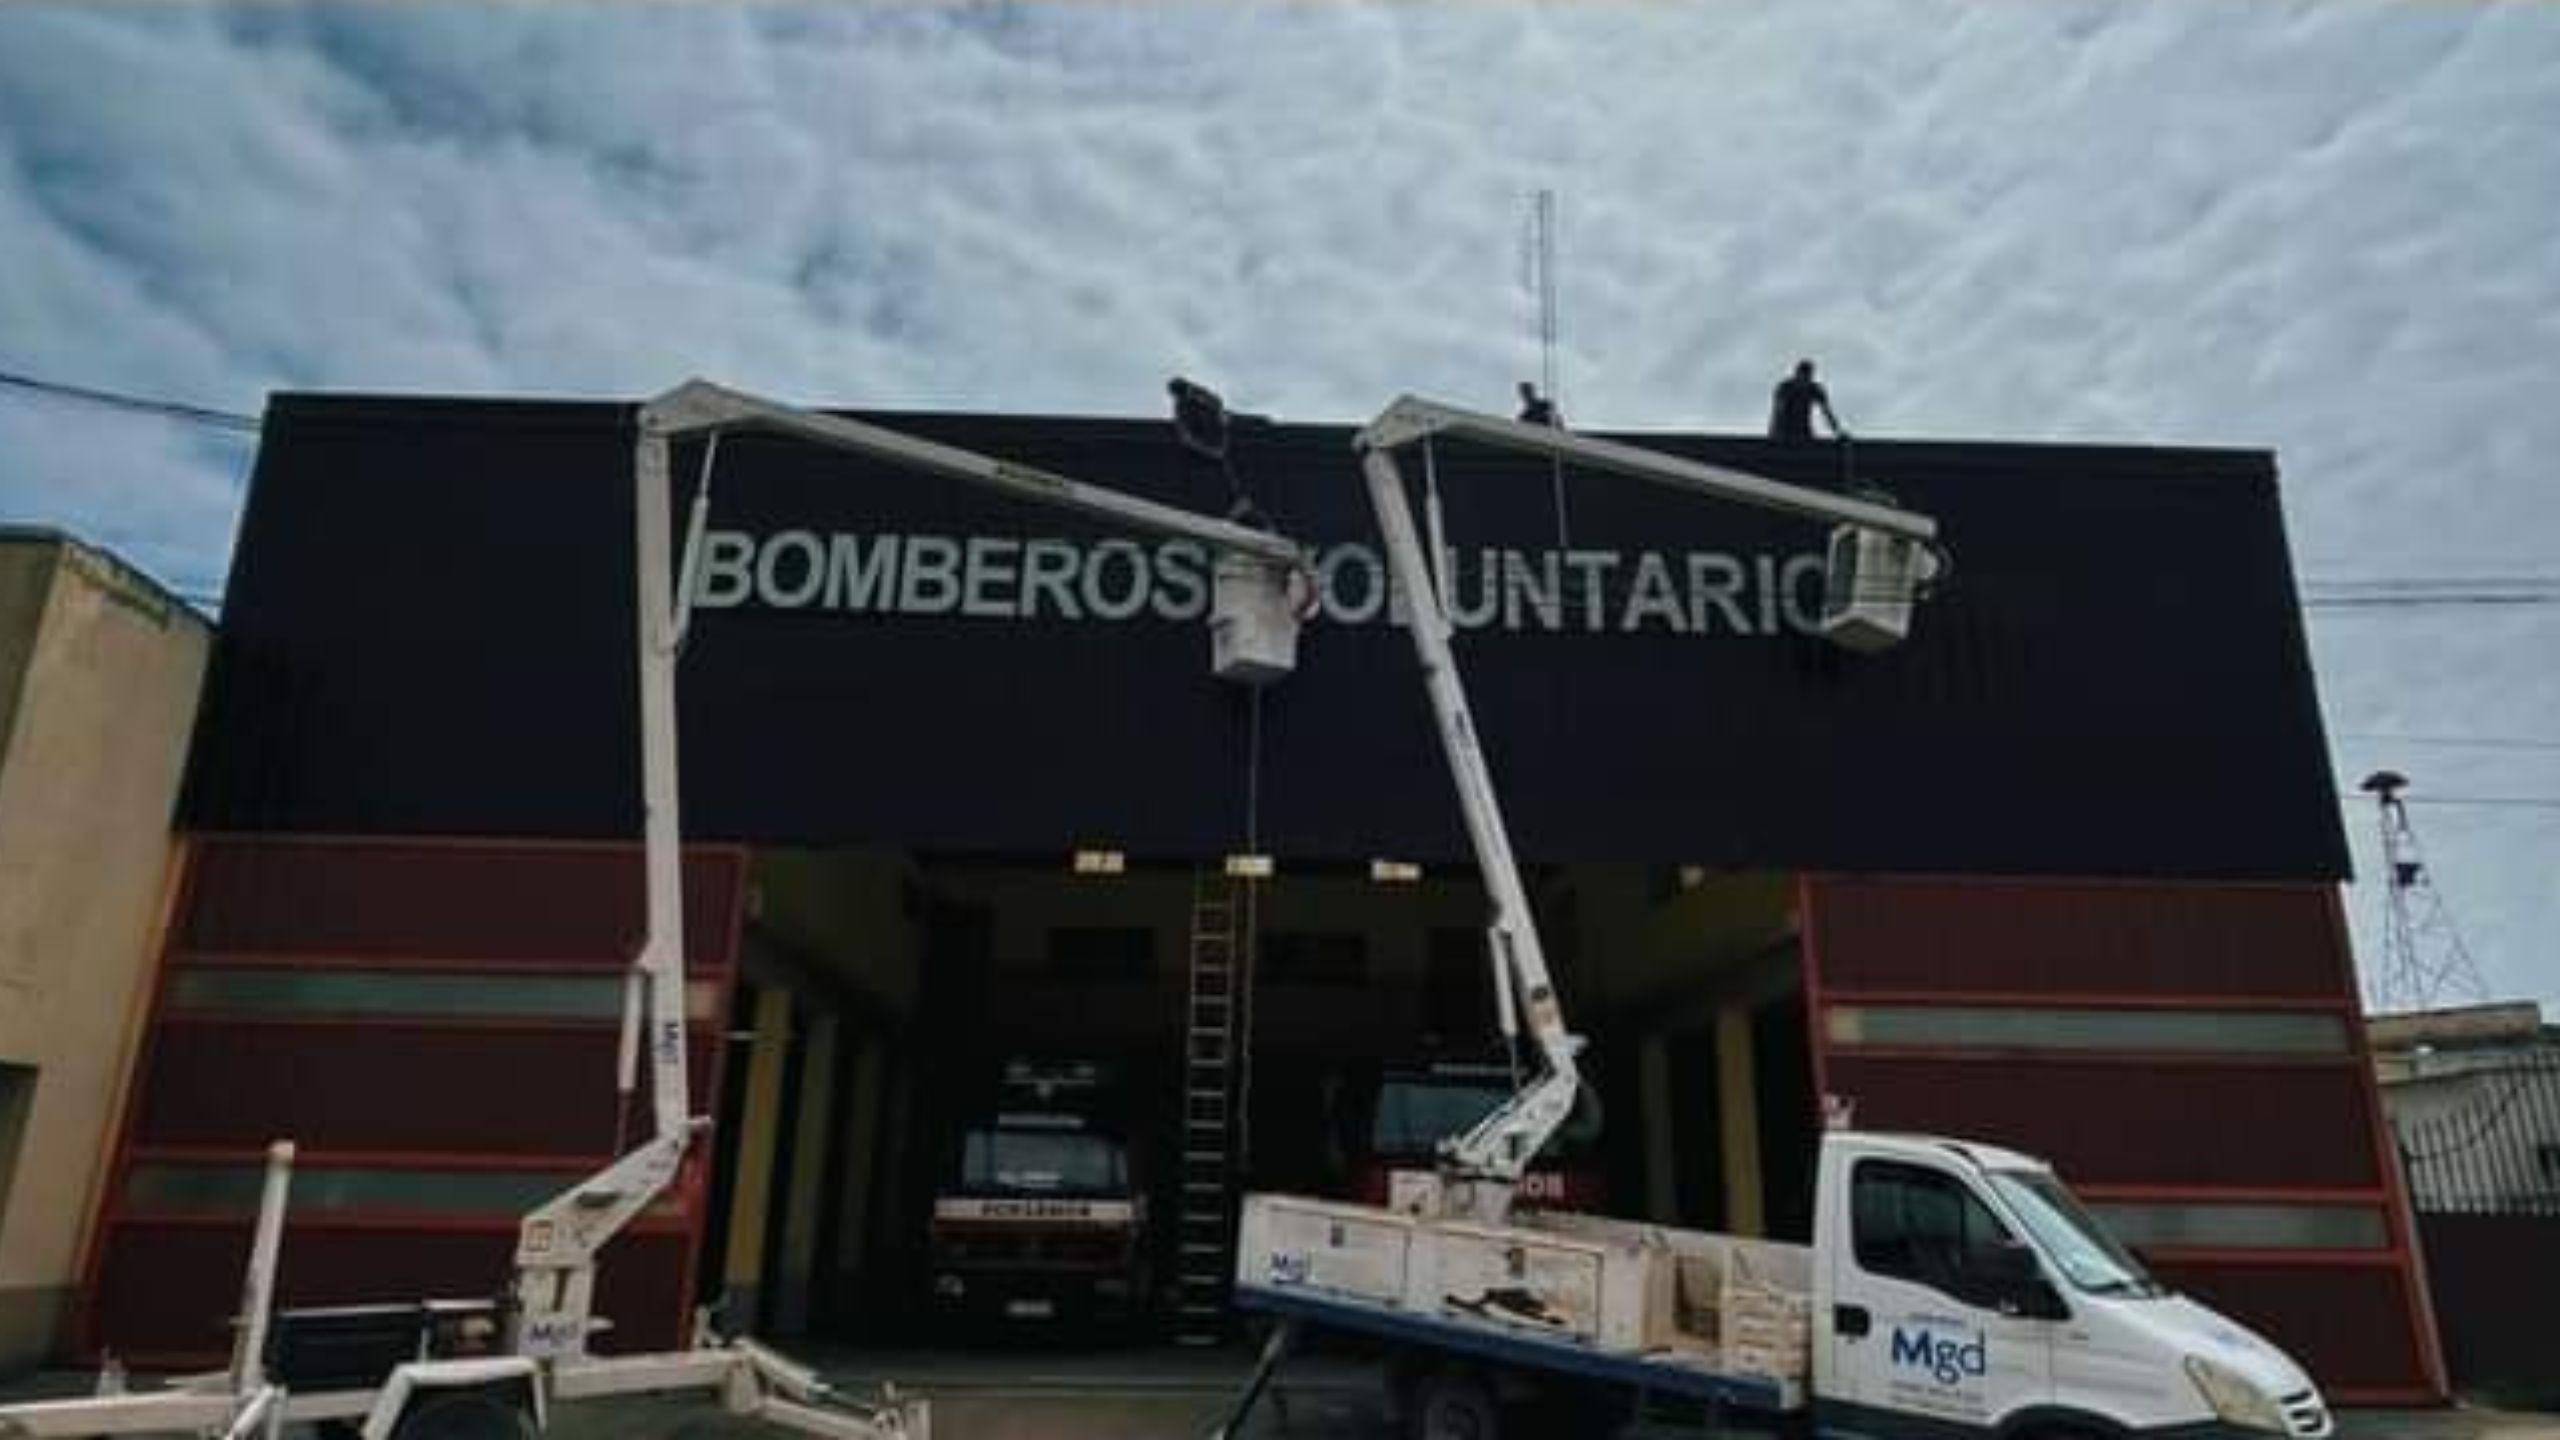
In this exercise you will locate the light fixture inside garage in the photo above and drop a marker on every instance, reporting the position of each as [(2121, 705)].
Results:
[(1249, 867), (1394, 872), (1100, 862)]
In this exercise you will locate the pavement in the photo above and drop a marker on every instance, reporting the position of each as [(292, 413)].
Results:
[(1014, 1395), (2456, 1422), (1169, 1394)]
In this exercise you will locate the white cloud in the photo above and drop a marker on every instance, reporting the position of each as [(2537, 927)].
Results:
[(2322, 226)]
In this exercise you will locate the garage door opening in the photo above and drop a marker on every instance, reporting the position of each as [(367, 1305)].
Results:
[(927, 1045)]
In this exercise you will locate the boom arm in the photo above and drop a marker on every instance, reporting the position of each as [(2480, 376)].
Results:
[(1483, 1165), (557, 1244)]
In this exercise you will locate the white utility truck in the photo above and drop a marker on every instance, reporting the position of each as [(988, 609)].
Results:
[(1951, 1288), (493, 1369)]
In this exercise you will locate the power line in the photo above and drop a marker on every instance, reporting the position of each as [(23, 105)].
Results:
[(2424, 602), (2473, 742), (2352, 582), (131, 403), (2525, 802), (2403, 592), (2521, 802), (2488, 1125)]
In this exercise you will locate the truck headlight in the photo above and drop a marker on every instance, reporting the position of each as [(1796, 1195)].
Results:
[(2233, 1399)]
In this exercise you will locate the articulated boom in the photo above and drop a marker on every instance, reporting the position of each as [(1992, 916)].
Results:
[(1481, 1168), (1255, 612), (556, 1244)]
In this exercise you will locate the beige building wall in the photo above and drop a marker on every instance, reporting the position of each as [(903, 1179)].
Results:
[(99, 674)]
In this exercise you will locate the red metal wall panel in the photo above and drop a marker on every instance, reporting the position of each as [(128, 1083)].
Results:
[(2257, 1127), (170, 1289), (403, 1094), (390, 1088), (2078, 938), (2213, 1124), (353, 900), (2332, 1317)]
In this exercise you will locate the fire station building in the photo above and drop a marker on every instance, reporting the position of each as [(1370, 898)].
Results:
[(2061, 872)]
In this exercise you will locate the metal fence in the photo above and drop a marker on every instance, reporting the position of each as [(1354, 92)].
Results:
[(2486, 1141)]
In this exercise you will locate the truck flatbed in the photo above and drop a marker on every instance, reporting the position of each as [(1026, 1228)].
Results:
[(1506, 1345)]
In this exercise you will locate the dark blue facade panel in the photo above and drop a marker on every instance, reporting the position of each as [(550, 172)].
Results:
[(429, 631)]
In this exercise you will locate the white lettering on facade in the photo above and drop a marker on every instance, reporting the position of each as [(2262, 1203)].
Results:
[(1049, 568), (791, 569), (860, 578), (990, 570), (1182, 584), (1653, 597), (929, 583), (1373, 584), (1543, 590), (1099, 599), (1800, 591), (1716, 580), (728, 572), (1591, 576), (1488, 601), (993, 577)]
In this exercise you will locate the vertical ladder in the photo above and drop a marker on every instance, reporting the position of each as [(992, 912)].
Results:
[(1203, 1222)]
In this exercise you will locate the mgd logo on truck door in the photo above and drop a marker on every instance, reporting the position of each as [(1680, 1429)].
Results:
[(1945, 1360)]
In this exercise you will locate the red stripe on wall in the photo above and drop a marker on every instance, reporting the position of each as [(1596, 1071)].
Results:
[(447, 1087), (2271, 1126), (2075, 938), (2102, 999), (166, 1291), (559, 905)]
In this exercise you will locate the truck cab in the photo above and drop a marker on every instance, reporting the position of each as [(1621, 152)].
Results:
[(1040, 1215), (1961, 1285), (1397, 1133)]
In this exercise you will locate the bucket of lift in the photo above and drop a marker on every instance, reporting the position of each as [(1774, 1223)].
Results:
[(1870, 583), (1256, 608)]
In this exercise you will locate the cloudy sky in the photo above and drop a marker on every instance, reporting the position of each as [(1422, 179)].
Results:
[(2332, 228)]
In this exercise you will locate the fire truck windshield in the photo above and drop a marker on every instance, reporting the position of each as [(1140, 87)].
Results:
[(1046, 1162), (1414, 1111)]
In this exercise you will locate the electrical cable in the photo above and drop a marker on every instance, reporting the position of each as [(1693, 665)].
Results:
[(2517, 1084), (2474, 742), (2525, 802), (130, 403)]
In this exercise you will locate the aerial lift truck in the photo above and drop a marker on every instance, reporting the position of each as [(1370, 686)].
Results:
[(492, 1370), (1951, 1289)]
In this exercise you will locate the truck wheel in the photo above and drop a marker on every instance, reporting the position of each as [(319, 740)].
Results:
[(463, 1415), (1452, 1405)]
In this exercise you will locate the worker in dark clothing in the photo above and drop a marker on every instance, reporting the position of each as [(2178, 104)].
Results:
[(1792, 404), (1537, 409)]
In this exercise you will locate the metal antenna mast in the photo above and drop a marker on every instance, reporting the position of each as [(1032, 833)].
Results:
[(1542, 285), (1542, 280), (2424, 961)]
